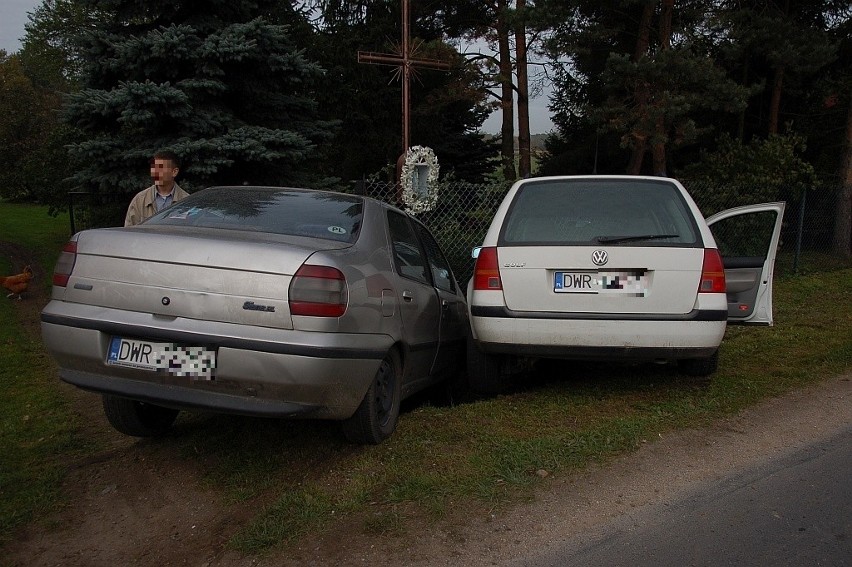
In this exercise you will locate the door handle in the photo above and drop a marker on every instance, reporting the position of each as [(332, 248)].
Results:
[(407, 296), (445, 304)]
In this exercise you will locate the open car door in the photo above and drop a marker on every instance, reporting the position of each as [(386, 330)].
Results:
[(748, 239)]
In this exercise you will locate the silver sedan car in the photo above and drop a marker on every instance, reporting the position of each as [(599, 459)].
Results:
[(261, 301)]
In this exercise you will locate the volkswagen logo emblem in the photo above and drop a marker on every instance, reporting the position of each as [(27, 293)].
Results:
[(599, 257), (166, 301)]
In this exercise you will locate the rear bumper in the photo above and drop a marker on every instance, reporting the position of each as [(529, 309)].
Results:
[(183, 397), (259, 371), (502, 312), (623, 353), (581, 336)]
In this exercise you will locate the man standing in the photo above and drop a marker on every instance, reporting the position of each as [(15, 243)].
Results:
[(164, 168)]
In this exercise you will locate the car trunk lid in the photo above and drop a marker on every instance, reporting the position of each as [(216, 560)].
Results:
[(211, 274), (633, 279)]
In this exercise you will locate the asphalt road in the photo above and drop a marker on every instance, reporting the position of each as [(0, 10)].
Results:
[(792, 510)]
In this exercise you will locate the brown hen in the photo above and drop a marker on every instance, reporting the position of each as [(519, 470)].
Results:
[(18, 283)]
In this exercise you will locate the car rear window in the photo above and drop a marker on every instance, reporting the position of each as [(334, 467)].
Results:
[(593, 212), (297, 212)]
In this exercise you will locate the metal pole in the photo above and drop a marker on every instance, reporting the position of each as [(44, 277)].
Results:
[(595, 168), (799, 232), (406, 71)]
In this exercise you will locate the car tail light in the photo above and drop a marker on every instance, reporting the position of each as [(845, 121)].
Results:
[(486, 274), (318, 291), (65, 264), (712, 273)]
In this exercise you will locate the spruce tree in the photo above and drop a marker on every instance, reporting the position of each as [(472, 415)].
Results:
[(220, 83)]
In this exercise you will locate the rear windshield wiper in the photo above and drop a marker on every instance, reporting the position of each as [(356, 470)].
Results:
[(618, 239)]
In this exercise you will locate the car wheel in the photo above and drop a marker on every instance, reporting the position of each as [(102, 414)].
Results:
[(138, 419), (699, 366), (487, 374), (376, 418)]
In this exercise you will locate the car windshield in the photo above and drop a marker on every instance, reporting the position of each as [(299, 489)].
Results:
[(298, 212), (600, 211)]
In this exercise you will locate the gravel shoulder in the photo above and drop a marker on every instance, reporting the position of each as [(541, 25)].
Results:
[(581, 507)]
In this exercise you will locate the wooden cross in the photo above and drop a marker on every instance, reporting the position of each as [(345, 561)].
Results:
[(402, 59)]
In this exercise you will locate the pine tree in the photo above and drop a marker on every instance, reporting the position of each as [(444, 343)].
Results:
[(220, 83), (637, 73)]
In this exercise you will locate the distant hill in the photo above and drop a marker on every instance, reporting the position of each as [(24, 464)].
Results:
[(536, 140)]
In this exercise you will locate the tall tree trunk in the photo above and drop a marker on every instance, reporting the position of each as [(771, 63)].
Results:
[(642, 95), (507, 97), (658, 145), (524, 159), (843, 216), (777, 81)]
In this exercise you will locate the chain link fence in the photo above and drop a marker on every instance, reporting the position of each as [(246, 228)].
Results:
[(459, 220), (807, 233), (464, 211)]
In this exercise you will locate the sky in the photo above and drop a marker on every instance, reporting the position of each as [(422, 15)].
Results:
[(13, 17)]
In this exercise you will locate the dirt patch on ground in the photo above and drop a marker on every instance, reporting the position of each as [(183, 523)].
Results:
[(141, 503)]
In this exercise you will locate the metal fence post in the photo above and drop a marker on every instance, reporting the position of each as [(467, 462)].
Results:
[(799, 231)]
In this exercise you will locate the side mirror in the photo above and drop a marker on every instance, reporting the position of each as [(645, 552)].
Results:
[(475, 252)]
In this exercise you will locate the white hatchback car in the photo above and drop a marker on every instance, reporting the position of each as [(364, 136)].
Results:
[(615, 267)]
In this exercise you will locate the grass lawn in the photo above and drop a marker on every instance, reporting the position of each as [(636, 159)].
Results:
[(37, 427), (34, 229), (564, 417)]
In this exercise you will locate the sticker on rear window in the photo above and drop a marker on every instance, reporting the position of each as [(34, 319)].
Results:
[(183, 215), (337, 229)]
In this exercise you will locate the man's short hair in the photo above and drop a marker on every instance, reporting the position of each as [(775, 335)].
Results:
[(169, 155)]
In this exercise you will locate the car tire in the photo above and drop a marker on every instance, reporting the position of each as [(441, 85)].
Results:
[(138, 419), (700, 367), (487, 374), (376, 418)]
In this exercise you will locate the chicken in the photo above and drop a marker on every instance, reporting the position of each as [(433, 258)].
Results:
[(18, 283)]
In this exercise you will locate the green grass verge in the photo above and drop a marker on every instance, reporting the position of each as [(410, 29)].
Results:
[(37, 426), (301, 477), (32, 228), (490, 452), (36, 429)]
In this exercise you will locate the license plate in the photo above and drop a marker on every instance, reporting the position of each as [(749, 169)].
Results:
[(197, 362), (632, 282)]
